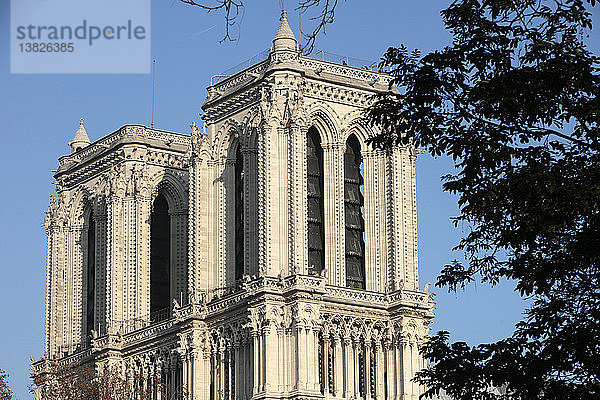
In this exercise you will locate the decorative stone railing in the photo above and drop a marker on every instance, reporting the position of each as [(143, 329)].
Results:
[(76, 358), (345, 70), (307, 283), (411, 297), (200, 307), (400, 297), (130, 131), (153, 330), (355, 294), (255, 71), (247, 74)]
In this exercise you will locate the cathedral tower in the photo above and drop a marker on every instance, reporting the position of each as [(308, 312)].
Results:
[(272, 254)]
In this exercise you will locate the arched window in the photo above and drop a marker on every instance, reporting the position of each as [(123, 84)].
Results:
[(355, 222), (239, 214), (160, 255), (316, 231), (91, 273)]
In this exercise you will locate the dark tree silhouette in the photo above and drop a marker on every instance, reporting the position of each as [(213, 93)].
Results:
[(514, 101)]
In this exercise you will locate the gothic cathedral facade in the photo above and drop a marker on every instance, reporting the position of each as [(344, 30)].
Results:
[(271, 255)]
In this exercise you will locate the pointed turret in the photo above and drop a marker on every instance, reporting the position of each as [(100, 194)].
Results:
[(81, 138), (284, 39)]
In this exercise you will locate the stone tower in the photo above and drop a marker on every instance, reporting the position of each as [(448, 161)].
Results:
[(272, 254)]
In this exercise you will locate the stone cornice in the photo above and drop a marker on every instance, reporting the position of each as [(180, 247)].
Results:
[(128, 134), (151, 156), (295, 285), (220, 95)]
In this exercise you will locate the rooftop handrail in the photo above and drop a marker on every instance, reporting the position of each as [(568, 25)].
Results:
[(317, 54), (257, 58), (366, 65)]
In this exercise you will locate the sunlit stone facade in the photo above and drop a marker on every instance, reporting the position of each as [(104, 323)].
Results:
[(271, 254)]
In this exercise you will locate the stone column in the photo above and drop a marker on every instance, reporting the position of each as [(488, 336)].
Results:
[(100, 220), (402, 209), (404, 371), (214, 371), (292, 352), (229, 372), (326, 362), (227, 224), (194, 371), (379, 367), (249, 377), (414, 351), (222, 383), (349, 368), (255, 364), (184, 372), (310, 359), (273, 193), (238, 370), (263, 359), (338, 365), (368, 371), (76, 333), (287, 359), (205, 375), (298, 261), (301, 356), (280, 360), (389, 367), (271, 357), (372, 278), (313, 367), (333, 169), (250, 216), (158, 381), (173, 376), (179, 253), (355, 345)]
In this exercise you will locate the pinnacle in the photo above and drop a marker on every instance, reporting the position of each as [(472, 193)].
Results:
[(81, 138), (284, 32), (284, 39)]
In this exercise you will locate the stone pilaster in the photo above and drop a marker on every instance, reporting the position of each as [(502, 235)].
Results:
[(298, 258), (250, 214)]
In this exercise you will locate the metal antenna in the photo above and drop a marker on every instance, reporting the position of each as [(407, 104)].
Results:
[(153, 79), (156, 97), (299, 25)]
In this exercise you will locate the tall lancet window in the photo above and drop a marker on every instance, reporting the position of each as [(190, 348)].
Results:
[(91, 273), (239, 214), (316, 231), (160, 255), (354, 209)]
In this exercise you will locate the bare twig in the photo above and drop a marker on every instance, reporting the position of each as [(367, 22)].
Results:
[(232, 9), (325, 16)]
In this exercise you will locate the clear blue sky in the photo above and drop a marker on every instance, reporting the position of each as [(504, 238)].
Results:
[(39, 115)]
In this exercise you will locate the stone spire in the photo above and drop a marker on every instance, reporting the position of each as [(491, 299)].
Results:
[(284, 39), (81, 138)]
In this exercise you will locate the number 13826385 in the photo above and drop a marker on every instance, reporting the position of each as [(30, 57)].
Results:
[(46, 47)]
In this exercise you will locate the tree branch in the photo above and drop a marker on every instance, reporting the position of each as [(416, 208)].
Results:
[(325, 17), (232, 10)]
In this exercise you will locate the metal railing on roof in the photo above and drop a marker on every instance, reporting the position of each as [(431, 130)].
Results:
[(316, 54), (366, 65), (263, 55)]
